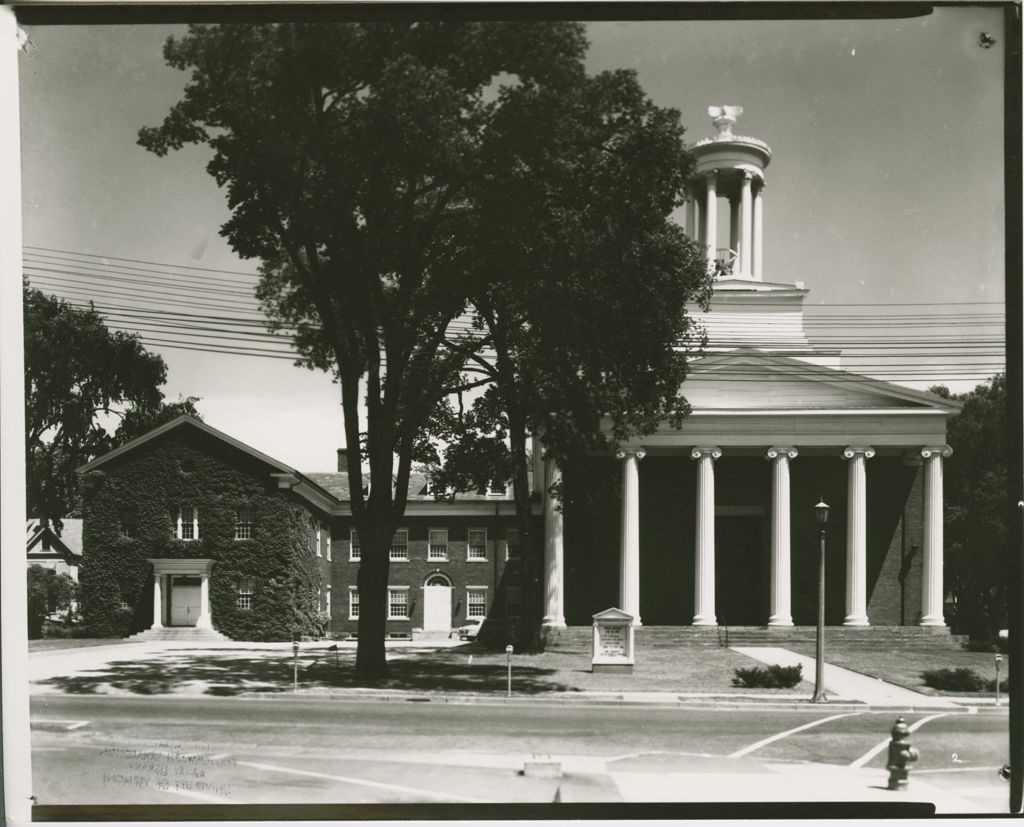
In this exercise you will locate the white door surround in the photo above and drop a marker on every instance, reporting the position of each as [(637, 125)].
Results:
[(187, 604), (437, 603)]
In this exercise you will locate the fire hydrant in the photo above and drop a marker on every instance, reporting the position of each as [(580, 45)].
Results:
[(900, 755)]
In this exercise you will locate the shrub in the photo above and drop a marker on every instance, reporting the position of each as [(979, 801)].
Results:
[(954, 680), (992, 646), (774, 677)]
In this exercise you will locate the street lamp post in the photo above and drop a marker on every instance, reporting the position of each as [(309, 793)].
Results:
[(821, 517)]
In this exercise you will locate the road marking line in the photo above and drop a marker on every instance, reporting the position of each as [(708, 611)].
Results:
[(68, 725), (378, 784), (960, 769), (877, 748), (763, 743)]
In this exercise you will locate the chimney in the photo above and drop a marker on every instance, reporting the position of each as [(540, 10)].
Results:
[(342, 460)]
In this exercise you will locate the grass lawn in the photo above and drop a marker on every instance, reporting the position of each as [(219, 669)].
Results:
[(904, 668), (70, 643), (660, 669)]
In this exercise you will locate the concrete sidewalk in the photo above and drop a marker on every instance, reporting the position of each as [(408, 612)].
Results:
[(848, 685)]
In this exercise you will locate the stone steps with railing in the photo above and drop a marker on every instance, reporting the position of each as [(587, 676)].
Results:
[(896, 637)]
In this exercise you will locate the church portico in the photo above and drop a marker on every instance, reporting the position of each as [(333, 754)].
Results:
[(724, 535)]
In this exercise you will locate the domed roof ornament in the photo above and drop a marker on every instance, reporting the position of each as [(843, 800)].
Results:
[(724, 118)]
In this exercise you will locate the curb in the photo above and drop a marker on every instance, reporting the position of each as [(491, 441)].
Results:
[(681, 701)]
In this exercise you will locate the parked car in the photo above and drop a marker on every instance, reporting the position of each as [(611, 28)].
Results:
[(468, 631)]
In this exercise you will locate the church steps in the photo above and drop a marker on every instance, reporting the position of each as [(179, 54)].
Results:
[(179, 635), (896, 637)]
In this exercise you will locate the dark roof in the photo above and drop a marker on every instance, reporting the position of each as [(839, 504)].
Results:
[(336, 484)]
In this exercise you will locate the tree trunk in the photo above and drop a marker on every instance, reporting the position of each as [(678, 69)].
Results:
[(372, 581), (529, 637)]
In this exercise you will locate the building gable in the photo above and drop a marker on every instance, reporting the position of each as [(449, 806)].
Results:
[(749, 381)]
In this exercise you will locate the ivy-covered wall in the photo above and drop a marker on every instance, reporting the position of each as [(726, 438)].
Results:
[(144, 488)]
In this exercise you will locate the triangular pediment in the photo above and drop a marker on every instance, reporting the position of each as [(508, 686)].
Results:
[(753, 380)]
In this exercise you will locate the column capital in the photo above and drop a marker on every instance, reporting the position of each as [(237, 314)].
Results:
[(700, 451), (622, 453), (777, 451), (851, 451), (943, 451)]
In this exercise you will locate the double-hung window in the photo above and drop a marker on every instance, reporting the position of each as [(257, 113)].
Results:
[(477, 547), (246, 586), (400, 545), (244, 523), (313, 536), (398, 603), (497, 488), (354, 551), (512, 543), (328, 538), (188, 523), (476, 602), (353, 603), (437, 546), (125, 596), (127, 522)]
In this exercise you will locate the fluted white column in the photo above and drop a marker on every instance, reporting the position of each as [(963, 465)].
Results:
[(204, 622), (554, 552), (758, 244), (704, 540), (158, 602), (856, 536), (932, 591), (781, 588), (711, 214), (746, 223), (629, 556)]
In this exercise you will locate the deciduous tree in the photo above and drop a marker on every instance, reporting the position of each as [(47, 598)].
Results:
[(350, 154), (79, 376), (584, 314), (975, 478)]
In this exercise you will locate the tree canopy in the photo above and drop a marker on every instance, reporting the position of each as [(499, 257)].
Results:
[(975, 508), (79, 375), (383, 173)]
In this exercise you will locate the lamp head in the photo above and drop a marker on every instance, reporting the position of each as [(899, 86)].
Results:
[(821, 513)]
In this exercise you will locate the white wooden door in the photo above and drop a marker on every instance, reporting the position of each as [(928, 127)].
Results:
[(437, 608), (185, 601)]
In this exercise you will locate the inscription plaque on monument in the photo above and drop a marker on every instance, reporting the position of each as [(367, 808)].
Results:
[(613, 641)]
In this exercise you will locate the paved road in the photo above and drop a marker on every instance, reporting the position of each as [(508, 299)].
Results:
[(231, 750)]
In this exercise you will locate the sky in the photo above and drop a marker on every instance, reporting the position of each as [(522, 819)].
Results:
[(884, 194)]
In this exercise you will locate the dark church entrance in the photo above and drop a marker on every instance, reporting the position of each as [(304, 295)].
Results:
[(742, 559)]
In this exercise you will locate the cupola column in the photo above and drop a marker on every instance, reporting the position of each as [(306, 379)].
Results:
[(746, 222), (734, 229), (711, 214), (758, 243)]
